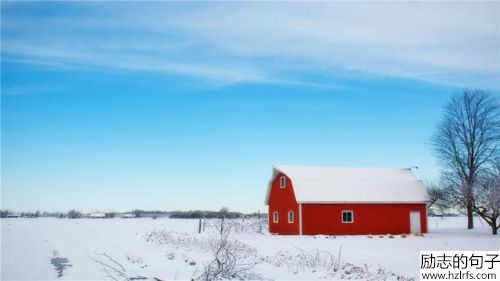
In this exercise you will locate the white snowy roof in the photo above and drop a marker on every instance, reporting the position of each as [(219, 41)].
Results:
[(352, 185)]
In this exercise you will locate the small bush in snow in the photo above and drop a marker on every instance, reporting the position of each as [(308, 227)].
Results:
[(352, 272), (206, 242), (230, 261), (115, 271), (171, 255), (305, 261), (133, 259), (252, 225), (177, 240)]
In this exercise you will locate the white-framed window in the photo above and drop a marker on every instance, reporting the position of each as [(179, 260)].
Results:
[(347, 216), (282, 182), (275, 217), (290, 217)]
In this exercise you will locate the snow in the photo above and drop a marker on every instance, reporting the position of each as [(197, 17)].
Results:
[(29, 245), (352, 185)]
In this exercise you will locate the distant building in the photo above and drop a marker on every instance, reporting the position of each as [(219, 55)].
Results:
[(128, 216), (13, 216), (344, 201), (97, 215)]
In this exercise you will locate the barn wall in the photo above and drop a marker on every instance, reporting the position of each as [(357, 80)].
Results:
[(283, 200), (368, 218)]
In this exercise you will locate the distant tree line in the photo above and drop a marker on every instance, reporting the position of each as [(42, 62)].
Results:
[(192, 214), (198, 214), (7, 213), (4, 213)]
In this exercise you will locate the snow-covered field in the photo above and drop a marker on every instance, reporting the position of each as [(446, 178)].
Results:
[(87, 249)]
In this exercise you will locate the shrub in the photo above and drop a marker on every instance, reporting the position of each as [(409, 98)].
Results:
[(74, 214)]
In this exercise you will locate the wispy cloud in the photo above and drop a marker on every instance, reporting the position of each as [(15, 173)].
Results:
[(442, 42), (64, 57)]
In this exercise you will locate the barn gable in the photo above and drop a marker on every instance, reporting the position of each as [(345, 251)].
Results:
[(352, 185)]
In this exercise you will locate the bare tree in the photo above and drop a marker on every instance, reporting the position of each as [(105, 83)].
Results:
[(437, 197), (223, 211), (74, 214), (137, 213), (467, 143), (487, 200), (110, 215)]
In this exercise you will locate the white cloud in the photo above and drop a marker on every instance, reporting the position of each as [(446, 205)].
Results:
[(442, 42)]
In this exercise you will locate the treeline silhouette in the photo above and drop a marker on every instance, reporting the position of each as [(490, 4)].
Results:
[(197, 214)]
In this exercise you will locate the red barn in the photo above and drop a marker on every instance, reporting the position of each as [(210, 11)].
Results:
[(344, 201)]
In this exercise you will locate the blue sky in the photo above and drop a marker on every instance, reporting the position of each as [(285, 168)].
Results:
[(185, 105)]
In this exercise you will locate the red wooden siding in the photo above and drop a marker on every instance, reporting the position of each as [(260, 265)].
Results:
[(282, 200), (368, 218), (327, 218)]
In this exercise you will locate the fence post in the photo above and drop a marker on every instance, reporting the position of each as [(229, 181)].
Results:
[(260, 222), (222, 225)]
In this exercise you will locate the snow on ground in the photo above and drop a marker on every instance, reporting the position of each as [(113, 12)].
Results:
[(43, 248)]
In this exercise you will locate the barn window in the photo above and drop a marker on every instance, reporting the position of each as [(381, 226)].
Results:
[(347, 217), (283, 182), (290, 217), (275, 217)]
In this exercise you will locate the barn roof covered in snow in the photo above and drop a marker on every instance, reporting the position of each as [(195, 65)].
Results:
[(352, 185)]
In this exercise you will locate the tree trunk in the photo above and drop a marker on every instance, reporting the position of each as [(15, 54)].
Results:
[(494, 228), (470, 216), (469, 198)]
